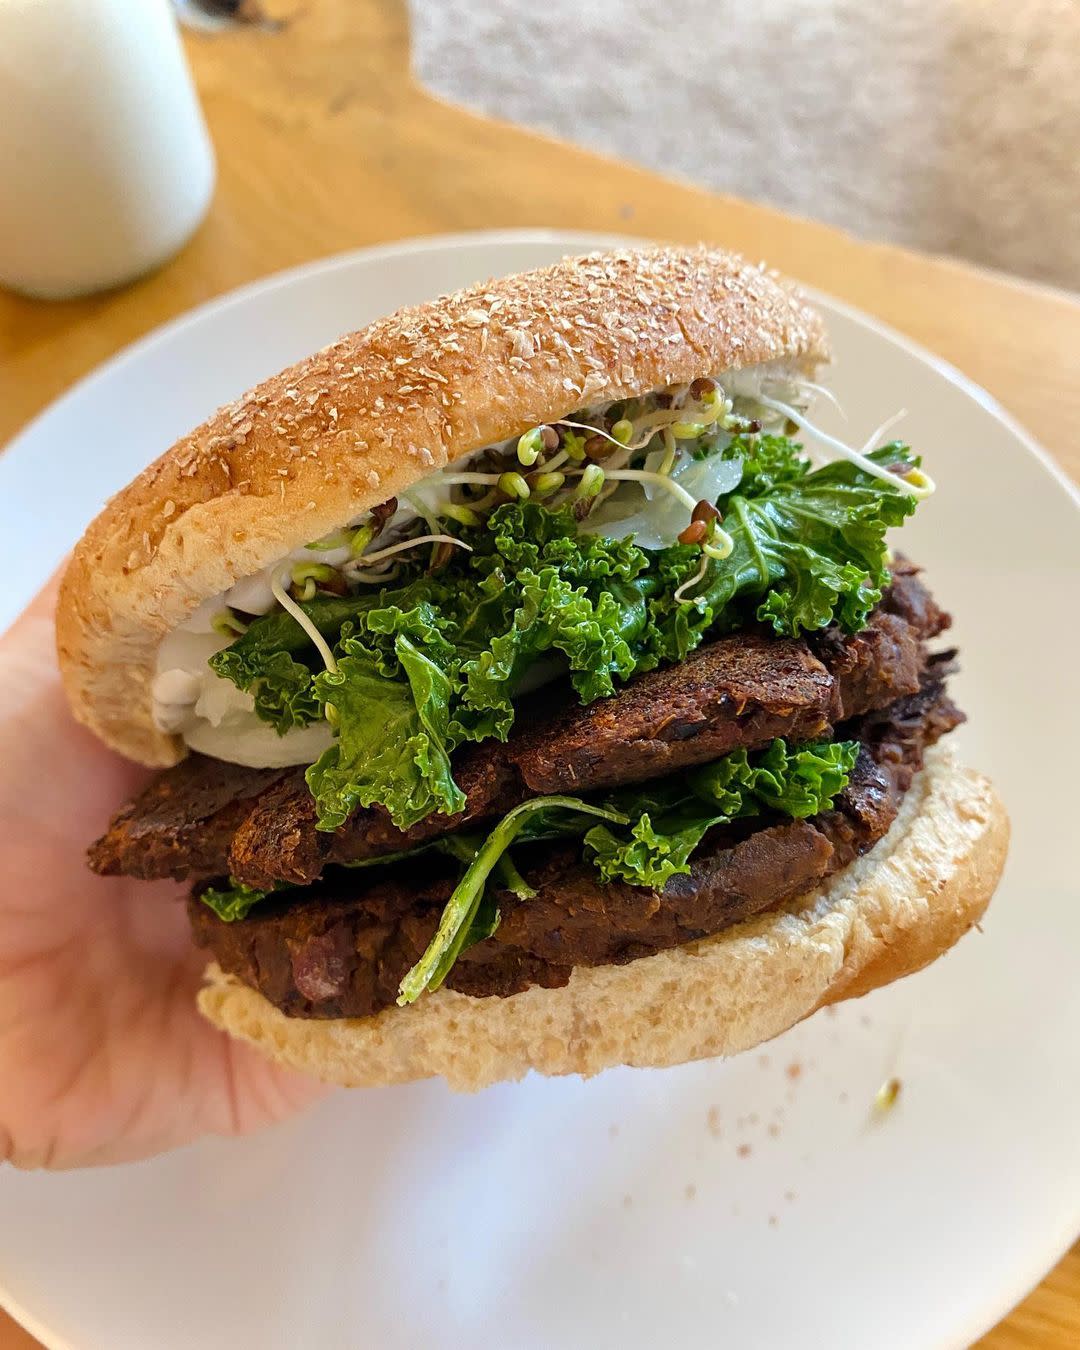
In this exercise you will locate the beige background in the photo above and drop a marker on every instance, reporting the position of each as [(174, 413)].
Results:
[(945, 125)]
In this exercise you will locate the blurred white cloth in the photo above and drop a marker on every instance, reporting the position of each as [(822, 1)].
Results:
[(948, 125)]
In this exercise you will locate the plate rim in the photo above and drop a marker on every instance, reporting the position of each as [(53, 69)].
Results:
[(574, 240), (30, 1323)]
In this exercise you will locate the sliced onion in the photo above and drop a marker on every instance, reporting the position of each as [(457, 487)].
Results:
[(240, 738), (656, 518)]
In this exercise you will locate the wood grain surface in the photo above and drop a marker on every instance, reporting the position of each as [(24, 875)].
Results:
[(325, 143)]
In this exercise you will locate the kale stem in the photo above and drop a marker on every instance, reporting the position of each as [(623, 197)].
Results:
[(445, 947)]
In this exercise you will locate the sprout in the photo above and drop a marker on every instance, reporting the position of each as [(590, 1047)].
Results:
[(886, 1095), (918, 489), (919, 480), (875, 437), (680, 596), (662, 480), (513, 485), (555, 462), (313, 572), (670, 451), (484, 503), (705, 529), (622, 431), (687, 431), (404, 544), (430, 519), (288, 604), (227, 625), (464, 515), (335, 539), (574, 445), (544, 484), (801, 385), (593, 433), (719, 544), (660, 417), (529, 445), (360, 540), (450, 479), (716, 408), (377, 576), (590, 483)]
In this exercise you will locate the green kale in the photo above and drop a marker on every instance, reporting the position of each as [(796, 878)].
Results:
[(435, 661), (671, 818), (234, 902), (647, 834), (391, 745)]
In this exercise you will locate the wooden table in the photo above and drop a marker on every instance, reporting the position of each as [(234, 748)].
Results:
[(325, 143)]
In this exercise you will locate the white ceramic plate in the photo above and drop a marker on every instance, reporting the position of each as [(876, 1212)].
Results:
[(758, 1202)]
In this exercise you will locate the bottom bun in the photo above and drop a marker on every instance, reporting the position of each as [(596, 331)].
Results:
[(888, 914)]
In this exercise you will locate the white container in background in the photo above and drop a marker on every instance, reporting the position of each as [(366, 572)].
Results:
[(106, 167)]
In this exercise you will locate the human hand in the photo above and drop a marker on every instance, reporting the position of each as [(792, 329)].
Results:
[(103, 1055)]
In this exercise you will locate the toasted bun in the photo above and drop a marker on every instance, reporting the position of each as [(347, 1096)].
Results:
[(888, 914), (365, 418)]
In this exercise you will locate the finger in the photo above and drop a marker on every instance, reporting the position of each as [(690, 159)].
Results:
[(42, 607), (36, 724)]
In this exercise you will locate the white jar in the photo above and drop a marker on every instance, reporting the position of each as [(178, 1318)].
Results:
[(106, 167)]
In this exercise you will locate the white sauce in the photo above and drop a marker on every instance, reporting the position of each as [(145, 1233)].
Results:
[(242, 738), (217, 719), (211, 715)]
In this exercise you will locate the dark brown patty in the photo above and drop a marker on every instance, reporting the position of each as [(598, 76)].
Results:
[(740, 691), (180, 824), (340, 948)]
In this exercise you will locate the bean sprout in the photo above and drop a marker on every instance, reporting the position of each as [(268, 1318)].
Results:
[(595, 431), (917, 484), (660, 479), (679, 595), (875, 436), (430, 520), (290, 606), (486, 478), (719, 545), (826, 393), (374, 578), (414, 543), (555, 462), (670, 449)]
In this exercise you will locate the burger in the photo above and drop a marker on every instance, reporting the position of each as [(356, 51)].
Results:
[(534, 686)]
